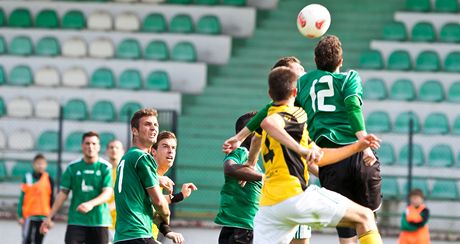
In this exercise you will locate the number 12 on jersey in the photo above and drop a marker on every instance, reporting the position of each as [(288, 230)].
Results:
[(322, 94)]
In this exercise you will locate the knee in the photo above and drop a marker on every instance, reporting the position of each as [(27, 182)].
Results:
[(367, 216)]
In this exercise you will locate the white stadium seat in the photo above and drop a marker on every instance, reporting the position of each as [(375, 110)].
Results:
[(127, 22), (99, 20), (101, 48), (20, 107), (75, 77), (74, 47), (47, 76), (47, 108), (21, 140), (2, 140)]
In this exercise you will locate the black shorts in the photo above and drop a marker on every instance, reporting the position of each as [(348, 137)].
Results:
[(232, 235), (31, 231), (138, 241), (76, 234)]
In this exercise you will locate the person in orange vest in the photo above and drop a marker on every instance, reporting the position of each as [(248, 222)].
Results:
[(35, 200), (414, 227)]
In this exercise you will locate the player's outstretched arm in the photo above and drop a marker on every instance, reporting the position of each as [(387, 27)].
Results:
[(242, 172), (254, 150), (160, 203), (60, 199), (105, 196)]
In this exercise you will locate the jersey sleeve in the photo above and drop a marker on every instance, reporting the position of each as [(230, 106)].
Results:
[(355, 114), (107, 178), (146, 172), (235, 156), (255, 122), (66, 179), (352, 86)]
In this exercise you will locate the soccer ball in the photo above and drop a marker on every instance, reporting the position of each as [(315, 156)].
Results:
[(313, 20)]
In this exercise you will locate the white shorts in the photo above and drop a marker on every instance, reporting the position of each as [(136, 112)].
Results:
[(316, 207), (302, 232)]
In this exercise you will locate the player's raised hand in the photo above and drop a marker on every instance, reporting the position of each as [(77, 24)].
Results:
[(166, 183), (231, 144), (312, 155), (369, 157), (187, 189), (370, 140), (175, 237)]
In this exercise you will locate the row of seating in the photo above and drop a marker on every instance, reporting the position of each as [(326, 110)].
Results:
[(99, 48), (404, 89), (20, 168), (421, 32), (443, 189), (401, 60), (103, 21), (131, 79), (209, 2), (439, 5)]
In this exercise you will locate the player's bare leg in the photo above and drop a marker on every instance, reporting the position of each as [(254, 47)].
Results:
[(351, 240), (301, 241)]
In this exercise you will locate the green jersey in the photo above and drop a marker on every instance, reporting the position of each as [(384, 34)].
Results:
[(136, 172), (86, 181), (239, 205)]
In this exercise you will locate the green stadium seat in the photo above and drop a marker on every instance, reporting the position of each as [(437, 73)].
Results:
[(156, 50), (105, 138), (73, 141), (3, 171), (75, 109), (20, 17), (395, 31), (127, 110), (21, 45), (154, 22), (130, 79), (456, 127), (418, 5), (403, 90), (20, 75), (158, 80), (386, 154), (452, 62), (181, 23), (208, 24), (374, 89), (428, 61), (48, 46), (235, 2), (418, 158), (179, 1), (207, 2), (2, 45), (52, 169), (2, 18), (184, 51), (48, 141), (431, 91), (446, 6), (423, 32), (2, 76), (20, 168), (129, 49), (390, 188), (399, 60), (47, 18), (444, 190), (402, 123), (421, 184), (102, 78), (436, 123), (2, 107), (453, 95), (378, 122), (73, 19), (441, 155), (450, 32), (371, 59), (103, 111)]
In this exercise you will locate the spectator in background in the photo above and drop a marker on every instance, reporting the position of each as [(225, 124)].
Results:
[(414, 227), (35, 200), (114, 153)]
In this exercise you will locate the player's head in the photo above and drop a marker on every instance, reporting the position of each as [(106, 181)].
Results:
[(416, 197), (144, 126), (114, 151), (241, 123), (282, 83), (39, 164), (328, 53), (90, 145), (164, 150), (290, 62)]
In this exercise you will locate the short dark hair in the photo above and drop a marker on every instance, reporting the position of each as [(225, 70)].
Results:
[(417, 192), (328, 53), (241, 123), (285, 62), (89, 134), (164, 135), (38, 157), (140, 114), (281, 82)]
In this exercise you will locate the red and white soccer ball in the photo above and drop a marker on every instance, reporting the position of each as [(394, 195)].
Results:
[(313, 20)]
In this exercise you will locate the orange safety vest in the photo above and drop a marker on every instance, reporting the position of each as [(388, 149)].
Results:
[(421, 235), (37, 197)]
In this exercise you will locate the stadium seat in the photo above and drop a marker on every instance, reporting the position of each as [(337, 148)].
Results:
[(21, 45), (127, 22), (452, 62), (100, 21), (2, 18), (418, 5), (2, 107), (21, 140), (154, 22), (403, 90), (129, 49), (386, 154), (47, 108), (3, 171), (74, 77), (378, 122), (428, 61), (445, 190), (418, 158), (456, 127), (235, 2), (103, 110), (179, 1), (421, 184), (453, 95), (73, 19), (20, 75), (127, 111), (375, 89), (436, 123), (2, 45), (130, 79), (73, 141), (181, 23), (48, 141), (156, 50), (47, 18), (207, 2), (102, 78), (399, 60), (158, 80), (450, 32), (423, 32), (2, 76), (20, 168), (395, 31), (20, 107), (441, 155), (101, 48), (208, 24), (431, 91), (48, 46), (371, 59), (402, 123), (2, 139), (75, 109), (74, 47), (47, 76), (390, 188), (184, 51), (20, 18), (446, 6), (105, 138)]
